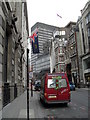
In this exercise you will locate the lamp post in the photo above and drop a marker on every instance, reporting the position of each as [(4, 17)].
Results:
[(27, 86)]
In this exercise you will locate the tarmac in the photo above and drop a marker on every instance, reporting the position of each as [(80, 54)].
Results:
[(18, 107)]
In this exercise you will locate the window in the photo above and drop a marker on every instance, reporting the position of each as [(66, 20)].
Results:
[(62, 83), (60, 32), (62, 68), (61, 58), (88, 32), (51, 83), (63, 32), (88, 18)]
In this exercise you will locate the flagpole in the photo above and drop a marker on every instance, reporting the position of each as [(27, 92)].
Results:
[(59, 16)]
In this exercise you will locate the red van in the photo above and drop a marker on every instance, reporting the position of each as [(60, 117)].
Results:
[(55, 88)]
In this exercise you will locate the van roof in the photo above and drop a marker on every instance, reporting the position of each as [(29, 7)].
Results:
[(56, 74)]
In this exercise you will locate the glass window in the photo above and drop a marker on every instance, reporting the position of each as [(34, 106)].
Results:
[(62, 68), (89, 17), (87, 20), (51, 83), (61, 50), (60, 32), (62, 83), (63, 32), (88, 32)]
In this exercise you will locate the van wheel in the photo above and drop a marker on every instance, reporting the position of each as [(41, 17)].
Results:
[(66, 104), (41, 100)]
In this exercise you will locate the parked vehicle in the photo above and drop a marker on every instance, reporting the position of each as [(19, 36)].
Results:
[(72, 86), (38, 85), (55, 88)]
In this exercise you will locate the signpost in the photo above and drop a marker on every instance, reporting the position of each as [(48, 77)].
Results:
[(27, 86), (31, 78)]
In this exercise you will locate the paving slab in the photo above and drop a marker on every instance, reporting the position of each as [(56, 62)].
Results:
[(23, 113)]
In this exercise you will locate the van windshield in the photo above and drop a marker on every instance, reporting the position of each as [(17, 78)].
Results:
[(62, 83), (51, 83)]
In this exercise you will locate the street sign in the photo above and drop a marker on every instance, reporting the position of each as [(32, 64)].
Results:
[(30, 75)]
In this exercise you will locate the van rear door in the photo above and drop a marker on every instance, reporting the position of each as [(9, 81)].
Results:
[(63, 90), (50, 89)]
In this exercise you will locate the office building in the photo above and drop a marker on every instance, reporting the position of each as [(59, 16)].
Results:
[(84, 30), (45, 34)]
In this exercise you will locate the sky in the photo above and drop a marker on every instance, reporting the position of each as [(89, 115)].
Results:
[(45, 11)]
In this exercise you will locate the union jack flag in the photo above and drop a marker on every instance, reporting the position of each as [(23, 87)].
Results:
[(34, 42), (33, 37)]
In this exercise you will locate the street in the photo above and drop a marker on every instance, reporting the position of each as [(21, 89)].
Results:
[(77, 108)]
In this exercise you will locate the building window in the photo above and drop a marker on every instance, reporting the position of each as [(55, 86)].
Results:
[(61, 51), (88, 32), (62, 32), (83, 40), (61, 58), (88, 18), (89, 43)]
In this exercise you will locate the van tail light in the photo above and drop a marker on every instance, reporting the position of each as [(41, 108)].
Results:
[(69, 94), (45, 94)]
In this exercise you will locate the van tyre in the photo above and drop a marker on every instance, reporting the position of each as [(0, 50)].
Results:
[(41, 100), (65, 104)]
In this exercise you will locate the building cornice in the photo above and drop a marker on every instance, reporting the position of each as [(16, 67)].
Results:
[(85, 54), (85, 8)]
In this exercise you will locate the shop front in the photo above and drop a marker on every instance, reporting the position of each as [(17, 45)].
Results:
[(87, 79)]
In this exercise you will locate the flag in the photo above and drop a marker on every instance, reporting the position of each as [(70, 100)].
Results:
[(59, 15), (34, 42), (32, 37)]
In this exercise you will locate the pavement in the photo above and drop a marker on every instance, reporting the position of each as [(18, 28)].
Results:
[(18, 107), (83, 88)]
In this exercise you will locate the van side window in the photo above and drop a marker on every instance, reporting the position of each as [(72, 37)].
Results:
[(62, 83), (51, 83)]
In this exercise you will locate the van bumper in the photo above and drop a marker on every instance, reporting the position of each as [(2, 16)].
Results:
[(56, 102)]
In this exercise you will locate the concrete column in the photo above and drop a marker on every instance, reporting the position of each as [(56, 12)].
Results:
[(9, 67)]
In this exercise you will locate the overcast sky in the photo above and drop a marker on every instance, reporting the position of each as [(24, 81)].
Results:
[(46, 11)]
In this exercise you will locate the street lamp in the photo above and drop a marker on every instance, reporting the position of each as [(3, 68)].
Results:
[(27, 86)]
